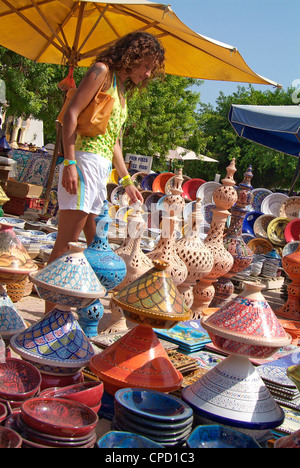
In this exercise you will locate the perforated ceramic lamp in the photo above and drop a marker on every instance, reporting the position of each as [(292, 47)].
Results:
[(153, 299)]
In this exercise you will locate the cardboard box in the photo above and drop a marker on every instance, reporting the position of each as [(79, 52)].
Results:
[(22, 190)]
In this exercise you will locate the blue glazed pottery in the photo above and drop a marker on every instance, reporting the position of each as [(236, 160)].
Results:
[(215, 436), (89, 316), (249, 220), (11, 321), (121, 440), (109, 268)]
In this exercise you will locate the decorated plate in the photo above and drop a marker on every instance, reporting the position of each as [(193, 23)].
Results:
[(292, 230), (119, 197), (190, 188), (260, 246), (290, 208), (206, 190), (289, 248), (170, 183), (207, 212), (272, 203), (160, 181), (261, 225), (249, 221), (257, 197), (276, 230), (147, 182)]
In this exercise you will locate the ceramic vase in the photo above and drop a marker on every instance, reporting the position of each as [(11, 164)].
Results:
[(234, 242), (291, 265), (195, 254), (108, 266), (165, 250), (89, 316), (136, 360), (224, 198)]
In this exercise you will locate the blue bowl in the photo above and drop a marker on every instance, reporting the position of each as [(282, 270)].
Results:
[(120, 439), (153, 404), (249, 221), (215, 436), (147, 182)]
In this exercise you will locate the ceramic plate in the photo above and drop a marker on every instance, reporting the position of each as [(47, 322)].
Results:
[(272, 203), (289, 248), (147, 182), (290, 208), (257, 197), (292, 230), (207, 212), (160, 181), (249, 221), (260, 246), (119, 197), (261, 225), (206, 190), (170, 183), (276, 230), (190, 188)]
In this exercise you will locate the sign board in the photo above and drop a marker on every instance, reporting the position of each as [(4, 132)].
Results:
[(139, 162)]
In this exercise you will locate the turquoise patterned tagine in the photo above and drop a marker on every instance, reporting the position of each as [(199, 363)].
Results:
[(108, 266)]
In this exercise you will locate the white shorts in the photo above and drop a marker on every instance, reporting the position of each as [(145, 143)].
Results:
[(93, 172)]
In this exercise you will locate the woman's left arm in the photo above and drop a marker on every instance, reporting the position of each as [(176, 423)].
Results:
[(120, 166)]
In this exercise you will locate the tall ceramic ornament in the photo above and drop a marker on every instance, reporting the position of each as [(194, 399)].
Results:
[(137, 263), (109, 267), (15, 266), (291, 265), (138, 359), (234, 242), (232, 392), (165, 250), (56, 344), (195, 254), (224, 198)]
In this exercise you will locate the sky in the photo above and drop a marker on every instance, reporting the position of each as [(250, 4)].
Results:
[(265, 32)]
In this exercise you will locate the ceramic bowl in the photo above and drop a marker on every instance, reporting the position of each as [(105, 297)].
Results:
[(158, 184), (88, 393), (121, 439), (153, 405), (249, 220), (57, 416), (215, 436), (3, 412), (190, 188), (15, 222), (9, 438), (19, 380), (147, 182)]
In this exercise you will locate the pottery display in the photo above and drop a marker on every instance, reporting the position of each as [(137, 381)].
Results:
[(137, 359), (257, 197), (110, 269), (234, 242), (291, 265), (224, 198)]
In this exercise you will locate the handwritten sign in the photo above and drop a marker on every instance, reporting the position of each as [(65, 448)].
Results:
[(139, 162)]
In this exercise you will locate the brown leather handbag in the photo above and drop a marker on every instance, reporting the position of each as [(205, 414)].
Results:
[(93, 120)]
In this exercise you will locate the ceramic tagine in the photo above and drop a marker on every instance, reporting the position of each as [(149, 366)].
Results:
[(137, 359), (291, 265), (108, 266), (224, 198), (234, 242), (232, 392), (166, 247), (56, 344), (15, 266), (195, 254)]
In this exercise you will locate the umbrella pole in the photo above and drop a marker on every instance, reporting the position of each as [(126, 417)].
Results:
[(295, 177), (57, 150)]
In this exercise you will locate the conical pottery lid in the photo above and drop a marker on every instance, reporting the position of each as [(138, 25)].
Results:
[(137, 359), (70, 274), (248, 318), (56, 339), (232, 393), (154, 295), (11, 321)]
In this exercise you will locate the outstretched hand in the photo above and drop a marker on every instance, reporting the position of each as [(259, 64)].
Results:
[(134, 194)]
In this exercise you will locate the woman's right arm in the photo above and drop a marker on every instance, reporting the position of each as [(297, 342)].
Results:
[(85, 93)]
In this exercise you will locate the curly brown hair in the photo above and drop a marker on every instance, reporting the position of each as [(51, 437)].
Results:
[(129, 51)]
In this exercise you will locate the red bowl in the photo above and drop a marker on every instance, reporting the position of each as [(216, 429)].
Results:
[(190, 188), (9, 438), (292, 230), (58, 416), (88, 393), (3, 412), (19, 380)]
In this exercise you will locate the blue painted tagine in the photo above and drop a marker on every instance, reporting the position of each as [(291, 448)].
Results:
[(110, 269)]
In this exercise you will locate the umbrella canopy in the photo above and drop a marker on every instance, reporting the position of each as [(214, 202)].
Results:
[(276, 127), (185, 155), (73, 32)]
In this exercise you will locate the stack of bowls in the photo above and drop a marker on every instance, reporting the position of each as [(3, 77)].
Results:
[(9, 438), (19, 381), (57, 422), (87, 393), (158, 416)]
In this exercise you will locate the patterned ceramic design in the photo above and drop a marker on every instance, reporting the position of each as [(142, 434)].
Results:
[(214, 436), (55, 339), (206, 190), (260, 246), (11, 321), (249, 220), (290, 208), (124, 440), (292, 231), (260, 226), (276, 230), (257, 197), (159, 182), (19, 380), (272, 203)]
